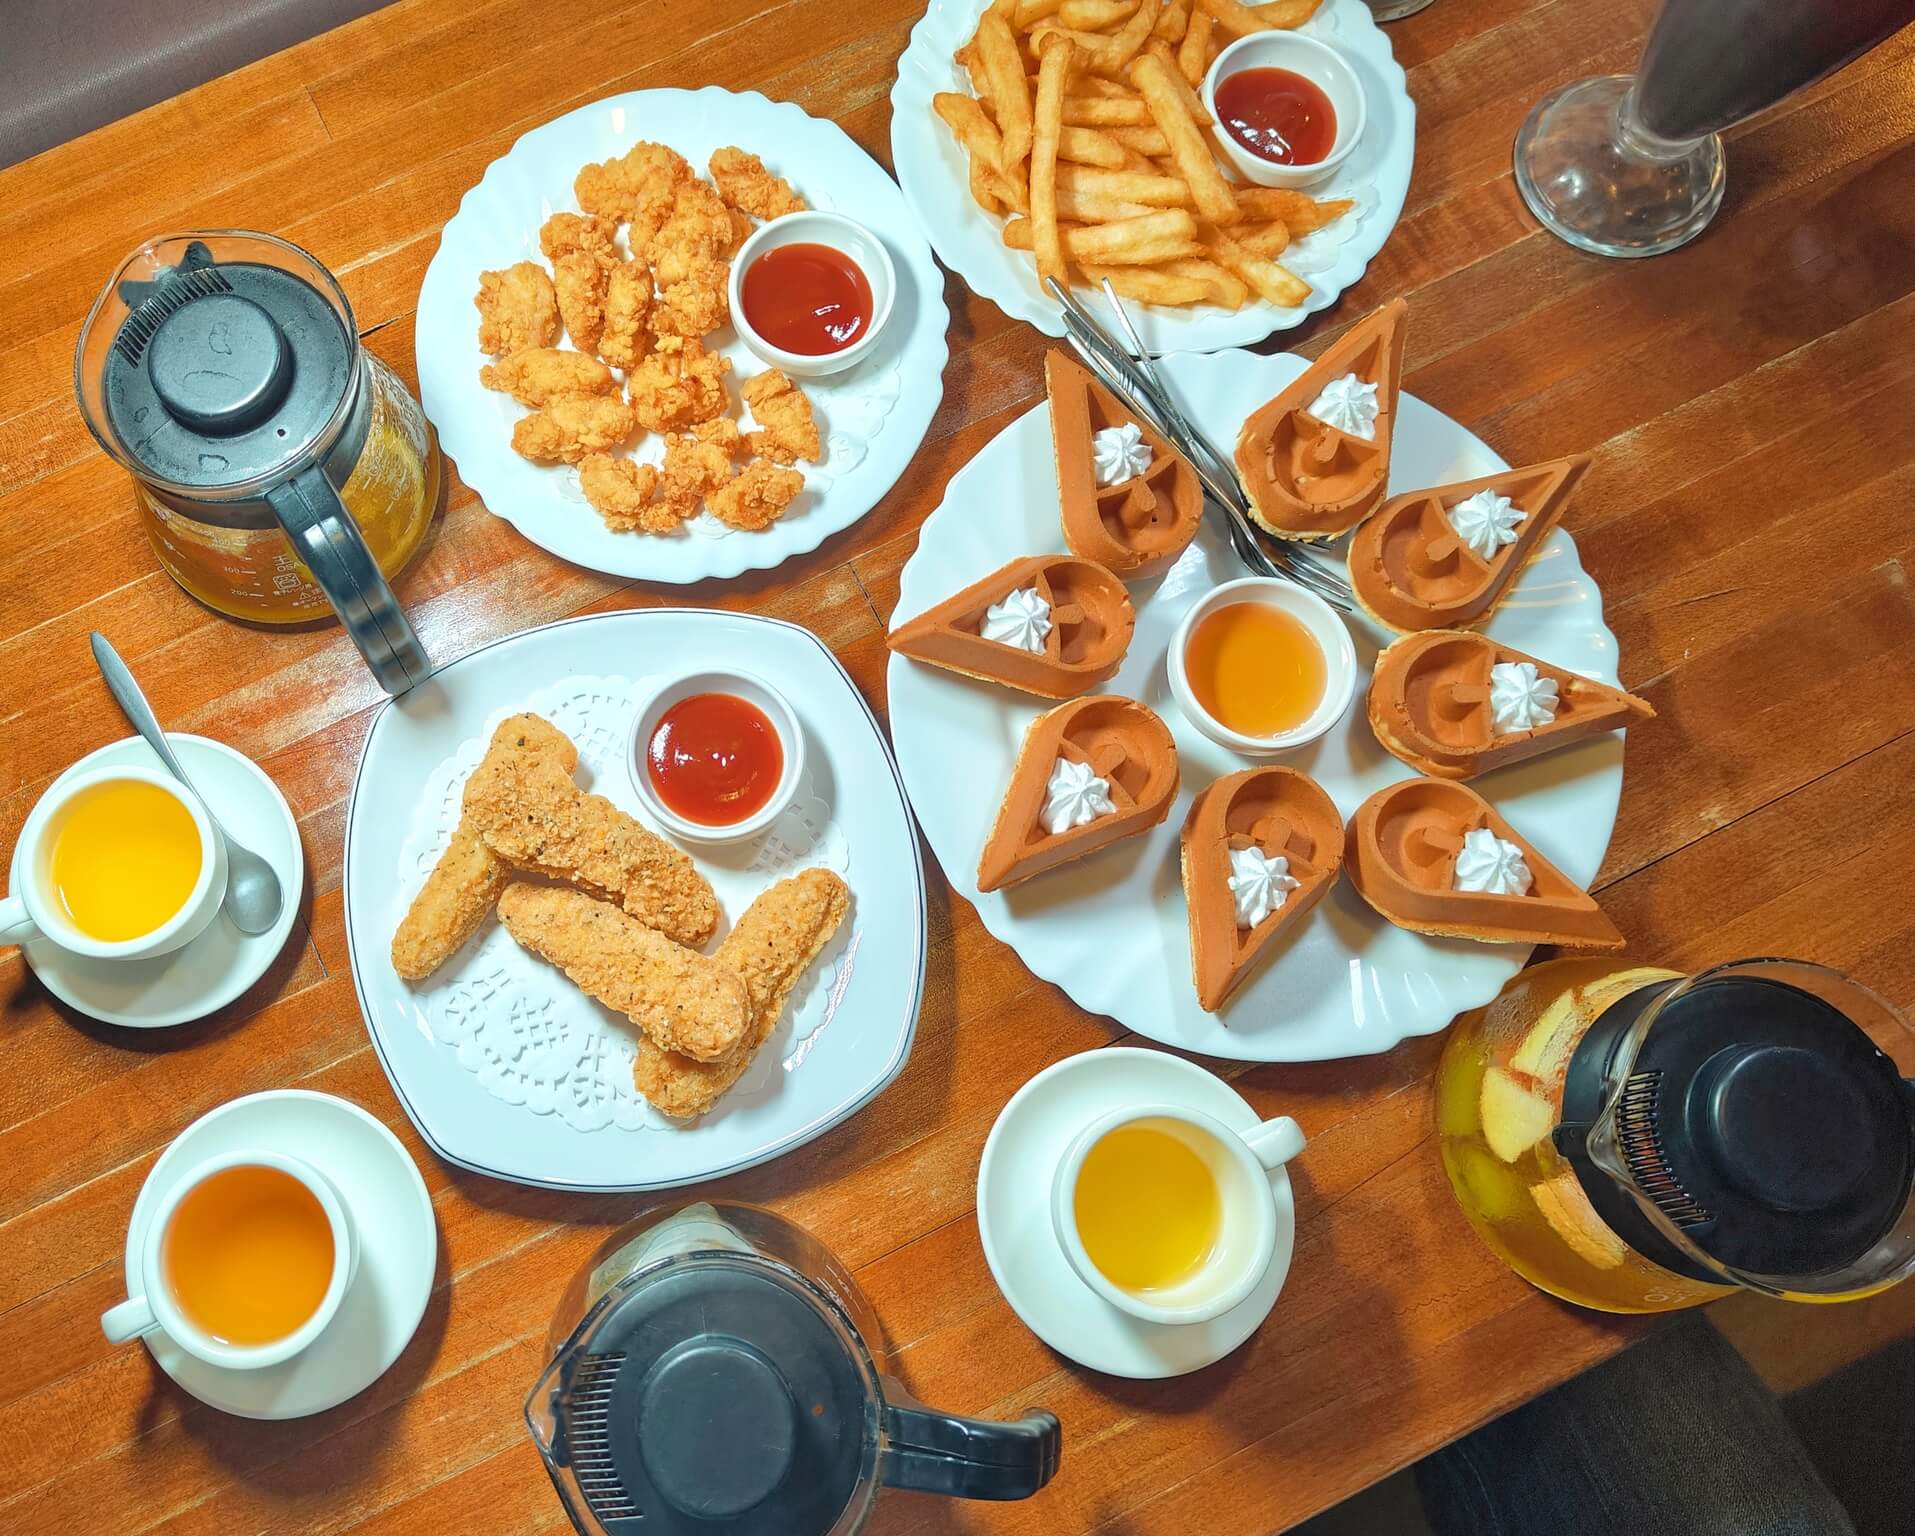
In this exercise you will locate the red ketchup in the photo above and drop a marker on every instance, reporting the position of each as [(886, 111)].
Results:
[(714, 759), (806, 298), (1277, 115)]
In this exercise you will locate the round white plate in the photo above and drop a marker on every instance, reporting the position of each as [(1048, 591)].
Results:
[(872, 417), (222, 962), (1014, 1214), (931, 169), (1111, 929), (816, 1082), (398, 1248)]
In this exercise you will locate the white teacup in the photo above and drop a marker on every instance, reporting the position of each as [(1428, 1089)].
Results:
[(154, 1306), (1239, 1162), (33, 909)]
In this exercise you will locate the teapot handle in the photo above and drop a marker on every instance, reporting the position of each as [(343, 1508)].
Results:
[(324, 535), (934, 1452)]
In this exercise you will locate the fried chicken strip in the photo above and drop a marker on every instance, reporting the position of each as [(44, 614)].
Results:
[(539, 375), (564, 431), (776, 939), (680, 1000), (744, 183), (530, 813), (517, 309), (625, 338), (466, 882), (581, 284)]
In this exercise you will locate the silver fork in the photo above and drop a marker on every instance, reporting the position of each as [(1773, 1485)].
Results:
[(1133, 376)]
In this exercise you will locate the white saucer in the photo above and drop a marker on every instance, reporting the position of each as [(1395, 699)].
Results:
[(398, 1249), (1014, 1214), (222, 962)]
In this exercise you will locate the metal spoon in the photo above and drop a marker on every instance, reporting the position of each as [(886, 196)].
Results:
[(253, 897)]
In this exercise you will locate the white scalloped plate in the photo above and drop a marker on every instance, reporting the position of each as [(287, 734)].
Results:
[(969, 241), (813, 1074), (1111, 929), (873, 416)]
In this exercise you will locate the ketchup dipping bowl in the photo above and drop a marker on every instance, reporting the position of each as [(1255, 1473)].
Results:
[(712, 742), (1321, 66), (794, 288)]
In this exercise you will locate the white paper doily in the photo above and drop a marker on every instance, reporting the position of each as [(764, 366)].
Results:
[(529, 1036)]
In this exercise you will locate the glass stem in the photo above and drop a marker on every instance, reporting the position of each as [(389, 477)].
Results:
[(1637, 140)]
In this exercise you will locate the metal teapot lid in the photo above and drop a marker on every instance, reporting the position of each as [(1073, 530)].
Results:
[(232, 386)]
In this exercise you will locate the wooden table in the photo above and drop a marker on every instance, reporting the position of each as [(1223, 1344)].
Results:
[(1750, 403)]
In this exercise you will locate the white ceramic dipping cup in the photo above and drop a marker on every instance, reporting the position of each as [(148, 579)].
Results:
[(33, 908), (1318, 63), (753, 690), (816, 227), (154, 1306), (1326, 627), (1241, 1164)]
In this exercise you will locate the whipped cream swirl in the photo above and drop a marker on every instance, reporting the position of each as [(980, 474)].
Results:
[(1486, 522), (1119, 453), (1520, 698), (1074, 797), (1259, 884), (1022, 619), (1349, 405), (1488, 863)]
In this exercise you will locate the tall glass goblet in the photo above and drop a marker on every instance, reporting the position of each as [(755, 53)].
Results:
[(1631, 165)]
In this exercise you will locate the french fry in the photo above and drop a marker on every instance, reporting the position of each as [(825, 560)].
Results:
[(983, 190), (1193, 53), (1009, 92), (1270, 240), (1052, 76), (1220, 286), (1298, 210), (1236, 19), (1031, 12), (1269, 281), (1098, 85), (1130, 38), (1126, 186), (1089, 146), (1088, 208), (1153, 237), (1094, 15), (1146, 141), (1158, 82), (1150, 285), (964, 116), (1173, 22), (1104, 112), (1286, 13), (1193, 103)]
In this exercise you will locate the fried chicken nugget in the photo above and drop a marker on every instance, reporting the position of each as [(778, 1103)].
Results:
[(628, 303), (774, 942), (724, 432), (566, 430), (621, 492), (697, 304), (468, 877), (530, 813), (744, 183), (539, 375), (634, 188), (692, 472), (679, 999), (582, 283), (678, 384), (590, 234), (789, 432), (517, 309), (698, 230), (757, 498)]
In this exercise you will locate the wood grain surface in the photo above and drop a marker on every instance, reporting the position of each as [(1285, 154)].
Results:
[(1750, 403)]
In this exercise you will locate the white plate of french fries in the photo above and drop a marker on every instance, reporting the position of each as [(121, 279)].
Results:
[(1069, 137), (1112, 929)]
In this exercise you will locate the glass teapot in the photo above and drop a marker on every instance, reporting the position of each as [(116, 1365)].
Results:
[(711, 1370), (282, 472), (1637, 1141)]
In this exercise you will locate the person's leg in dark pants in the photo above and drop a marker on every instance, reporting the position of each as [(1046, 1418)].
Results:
[(1675, 1437)]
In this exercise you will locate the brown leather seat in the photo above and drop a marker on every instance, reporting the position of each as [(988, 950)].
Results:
[(67, 66)]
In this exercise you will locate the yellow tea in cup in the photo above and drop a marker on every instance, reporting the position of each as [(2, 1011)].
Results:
[(1147, 1208), (125, 859), (248, 1255)]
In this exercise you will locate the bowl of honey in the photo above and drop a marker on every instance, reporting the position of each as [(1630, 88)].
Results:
[(1262, 667), (716, 755)]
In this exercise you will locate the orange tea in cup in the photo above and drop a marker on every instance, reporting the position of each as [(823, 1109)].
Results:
[(248, 1255), (1147, 1208), (126, 856)]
